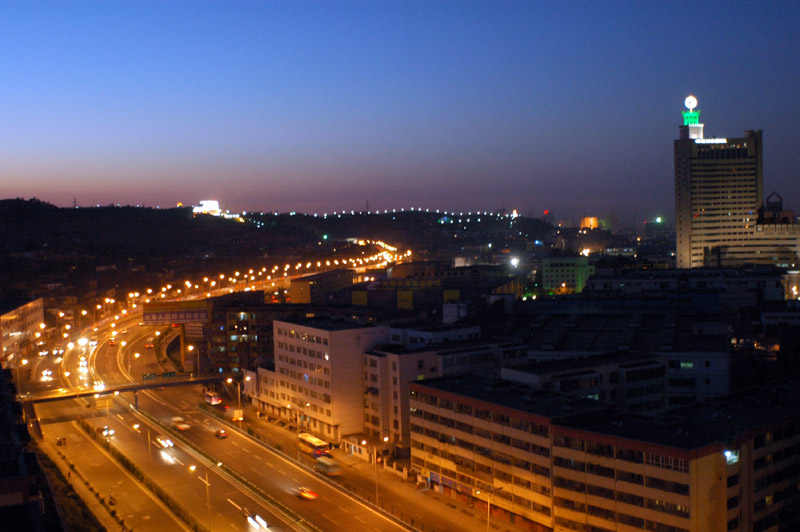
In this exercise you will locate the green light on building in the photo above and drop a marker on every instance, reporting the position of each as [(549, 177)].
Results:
[(691, 118)]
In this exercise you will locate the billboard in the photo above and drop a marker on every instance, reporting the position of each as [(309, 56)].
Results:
[(161, 313)]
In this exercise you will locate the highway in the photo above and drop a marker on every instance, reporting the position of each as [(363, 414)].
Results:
[(220, 481)]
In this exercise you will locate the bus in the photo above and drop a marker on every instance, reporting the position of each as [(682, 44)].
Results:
[(312, 445), (213, 398), (326, 465)]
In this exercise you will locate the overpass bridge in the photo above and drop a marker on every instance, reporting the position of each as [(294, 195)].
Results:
[(148, 382)]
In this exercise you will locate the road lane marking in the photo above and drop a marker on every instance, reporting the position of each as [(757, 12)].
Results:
[(235, 505), (120, 416), (181, 463)]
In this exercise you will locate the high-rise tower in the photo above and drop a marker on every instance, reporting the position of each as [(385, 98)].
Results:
[(718, 193)]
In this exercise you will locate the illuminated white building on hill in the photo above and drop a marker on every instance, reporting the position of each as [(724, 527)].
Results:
[(207, 207)]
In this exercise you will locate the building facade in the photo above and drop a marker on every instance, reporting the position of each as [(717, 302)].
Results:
[(565, 275), (549, 463)]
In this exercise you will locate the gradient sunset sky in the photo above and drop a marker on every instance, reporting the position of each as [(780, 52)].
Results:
[(323, 106)]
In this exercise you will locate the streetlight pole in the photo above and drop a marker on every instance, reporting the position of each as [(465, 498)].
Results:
[(489, 506)]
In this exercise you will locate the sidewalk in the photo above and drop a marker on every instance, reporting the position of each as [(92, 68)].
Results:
[(395, 496)]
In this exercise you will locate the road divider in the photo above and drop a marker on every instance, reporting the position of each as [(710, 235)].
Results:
[(151, 485)]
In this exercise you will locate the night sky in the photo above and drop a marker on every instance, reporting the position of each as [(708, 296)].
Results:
[(323, 106)]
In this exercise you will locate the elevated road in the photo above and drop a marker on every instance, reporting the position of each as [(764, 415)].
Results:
[(82, 391)]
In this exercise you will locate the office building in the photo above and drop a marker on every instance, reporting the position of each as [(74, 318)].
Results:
[(720, 215)]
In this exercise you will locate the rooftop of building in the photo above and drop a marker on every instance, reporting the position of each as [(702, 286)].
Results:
[(753, 271), (331, 323), (723, 421), (514, 396), (645, 331), (448, 348), (10, 305), (622, 359)]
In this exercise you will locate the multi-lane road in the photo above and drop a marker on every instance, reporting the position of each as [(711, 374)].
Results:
[(196, 470), (219, 481)]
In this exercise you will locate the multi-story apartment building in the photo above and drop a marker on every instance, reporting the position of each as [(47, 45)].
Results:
[(318, 380), (239, 331), (19, 325), (314, 288), (389, 368), (347, 381), (565, 275), (550, 463)]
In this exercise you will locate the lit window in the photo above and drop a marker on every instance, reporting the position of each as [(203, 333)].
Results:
[(731, 457)]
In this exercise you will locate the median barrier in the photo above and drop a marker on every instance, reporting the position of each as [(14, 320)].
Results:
[(134, 470), (287, 512), (364, 496)]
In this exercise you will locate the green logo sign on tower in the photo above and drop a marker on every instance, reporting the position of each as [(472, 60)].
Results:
[(690, 116)]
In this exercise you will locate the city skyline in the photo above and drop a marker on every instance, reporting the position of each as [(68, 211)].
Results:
[(324, 107)]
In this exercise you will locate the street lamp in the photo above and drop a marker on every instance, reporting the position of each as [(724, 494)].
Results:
[(190, 348), (204, 481), (375, 460), (239, 395), (489, 505)]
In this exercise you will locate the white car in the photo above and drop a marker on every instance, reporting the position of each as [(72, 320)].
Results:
[(180, 423), (165, 442)]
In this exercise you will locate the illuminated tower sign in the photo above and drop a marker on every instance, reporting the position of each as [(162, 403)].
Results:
[(692, 128), (690, 116)]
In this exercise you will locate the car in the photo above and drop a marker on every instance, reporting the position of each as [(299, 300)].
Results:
[(306, 493), (105, 431), (221, 434), (148, 345), (180, 423), (112, 342), (163, 441)]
